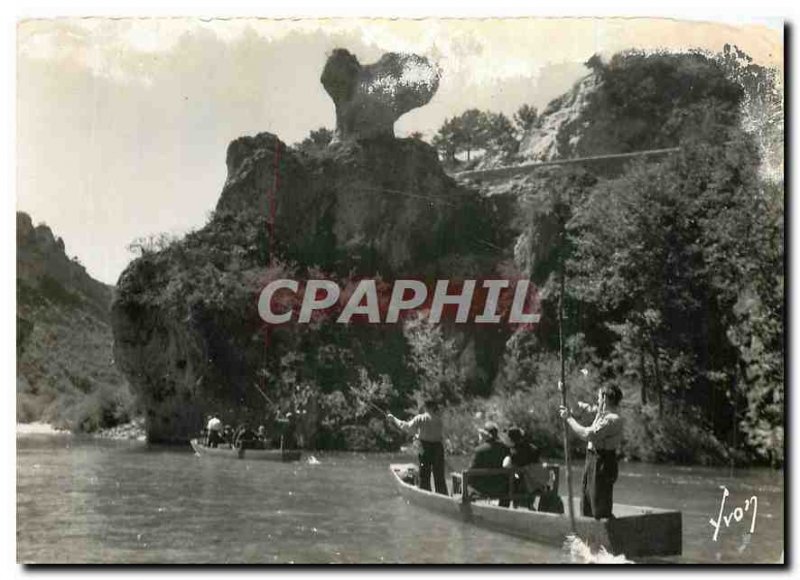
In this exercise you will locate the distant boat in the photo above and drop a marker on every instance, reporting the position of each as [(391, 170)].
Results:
[(634, 531), (254, 454)]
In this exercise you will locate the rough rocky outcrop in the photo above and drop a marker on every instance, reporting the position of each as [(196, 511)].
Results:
[(42, 256), (187, 332), (65, 368), (542, 142), (369, 99)]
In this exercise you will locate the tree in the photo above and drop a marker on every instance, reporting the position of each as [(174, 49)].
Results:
[(762, 106), (316, 141), (498, 135), (434, 358), (525, 119), (683, 259), (595, 63), (474, 130), (471, 131), (447, 140)]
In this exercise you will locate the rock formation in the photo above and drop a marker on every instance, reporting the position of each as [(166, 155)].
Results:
[(186, 326), (369, 99), (187, 332), (65, 369)]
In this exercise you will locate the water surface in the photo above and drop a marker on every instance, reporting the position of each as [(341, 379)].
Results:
[(83, 500)]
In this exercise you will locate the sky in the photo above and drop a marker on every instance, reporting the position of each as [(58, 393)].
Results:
[(123, 124)]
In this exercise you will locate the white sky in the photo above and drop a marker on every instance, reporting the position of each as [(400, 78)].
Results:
[(122, 124)]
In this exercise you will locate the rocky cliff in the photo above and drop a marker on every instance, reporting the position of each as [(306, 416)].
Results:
[(635, 102), (65, 367), (187, 332)]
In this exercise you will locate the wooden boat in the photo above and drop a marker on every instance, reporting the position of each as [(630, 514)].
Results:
[(634, 532), (256, 454)]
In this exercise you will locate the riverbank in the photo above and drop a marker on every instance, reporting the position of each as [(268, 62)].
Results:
[(133, 430), (37, 428)]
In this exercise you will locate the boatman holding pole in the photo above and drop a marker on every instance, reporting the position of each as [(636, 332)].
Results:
[(213, 431), (428, 426), (604, 436)]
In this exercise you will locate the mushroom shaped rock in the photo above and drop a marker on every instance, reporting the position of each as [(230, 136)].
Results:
[(369, 99)]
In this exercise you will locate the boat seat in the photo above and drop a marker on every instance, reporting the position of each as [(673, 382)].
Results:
[(461, 484)]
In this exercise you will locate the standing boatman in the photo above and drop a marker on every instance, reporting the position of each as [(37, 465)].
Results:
[(429, 431), (213, 431), (604, 436)]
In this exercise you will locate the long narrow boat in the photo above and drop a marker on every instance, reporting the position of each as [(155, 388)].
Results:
[(256, 454), (635, 531)]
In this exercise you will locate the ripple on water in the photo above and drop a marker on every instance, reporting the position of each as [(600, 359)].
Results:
[(126, 503)]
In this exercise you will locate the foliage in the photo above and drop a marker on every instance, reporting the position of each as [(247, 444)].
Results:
[(683, 259), (82, 412), (525, 119), (651, 100), (151, 244), (531, 404), (476, 130), (317, 140), (671, 438), (674, 265), (434, 358)]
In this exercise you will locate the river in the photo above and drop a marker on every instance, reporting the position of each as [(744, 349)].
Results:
[(88, 500)]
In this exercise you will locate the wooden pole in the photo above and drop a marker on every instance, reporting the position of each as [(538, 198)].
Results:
[(568, 469)]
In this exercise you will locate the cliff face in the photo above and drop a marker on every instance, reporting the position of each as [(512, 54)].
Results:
[(41, 256), (635, 102), (559, 128), (186, 327), (65, 370)]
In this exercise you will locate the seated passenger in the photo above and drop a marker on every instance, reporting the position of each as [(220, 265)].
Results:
[(489, 455), (245, 437), (227, 435), (261, 437), (523, 456)]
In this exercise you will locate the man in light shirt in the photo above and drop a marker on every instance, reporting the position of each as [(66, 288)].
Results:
[(604, 436), (429, 431), (214, 431)]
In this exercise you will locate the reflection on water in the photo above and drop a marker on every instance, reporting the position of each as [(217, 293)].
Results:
[(87, 500)]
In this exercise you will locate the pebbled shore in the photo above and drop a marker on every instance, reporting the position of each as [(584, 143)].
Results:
[(131, 430)]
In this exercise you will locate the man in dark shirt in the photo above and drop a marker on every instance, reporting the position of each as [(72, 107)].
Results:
[(245, 437), (523, 456), (489, 455), (522, 452)]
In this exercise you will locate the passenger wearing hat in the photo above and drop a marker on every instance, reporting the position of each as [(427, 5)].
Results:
[(429, 431), (245, 437), (489, 455)]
